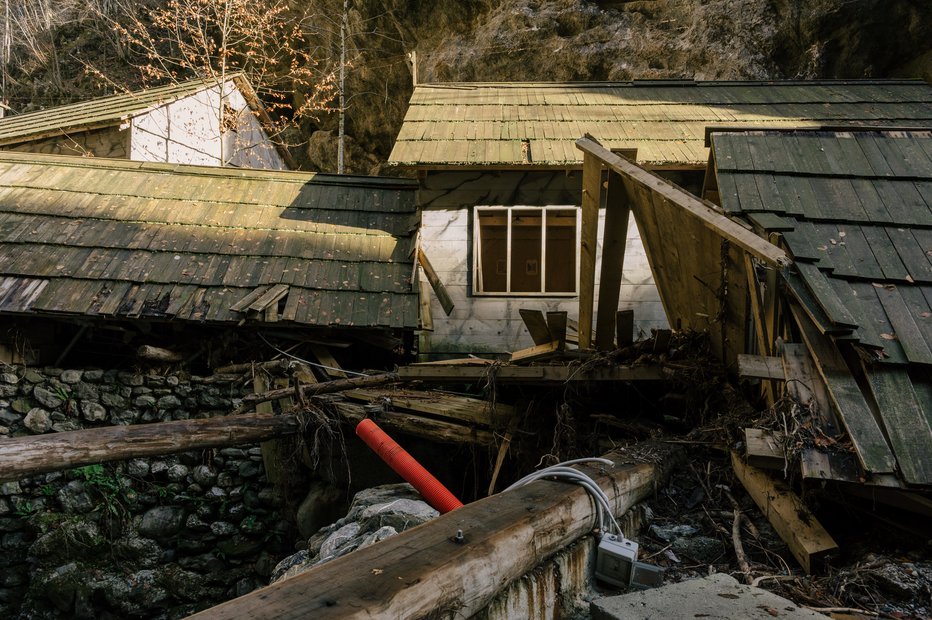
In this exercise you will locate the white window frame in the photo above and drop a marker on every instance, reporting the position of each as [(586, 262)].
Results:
[(477, 251)]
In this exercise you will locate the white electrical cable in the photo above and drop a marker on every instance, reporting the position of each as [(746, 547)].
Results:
[(562, 471)]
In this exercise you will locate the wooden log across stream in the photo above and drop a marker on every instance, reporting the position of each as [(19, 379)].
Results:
[(422, 571)]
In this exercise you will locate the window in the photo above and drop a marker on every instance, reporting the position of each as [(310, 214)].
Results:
[(526, 250)]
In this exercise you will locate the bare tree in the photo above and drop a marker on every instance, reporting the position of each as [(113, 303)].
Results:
[(213, 39)]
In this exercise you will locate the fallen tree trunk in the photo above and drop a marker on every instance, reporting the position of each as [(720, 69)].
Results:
[(423, 571), (25, 456), (313, 389)]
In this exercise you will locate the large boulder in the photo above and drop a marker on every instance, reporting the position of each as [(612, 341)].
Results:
[(161, 522)]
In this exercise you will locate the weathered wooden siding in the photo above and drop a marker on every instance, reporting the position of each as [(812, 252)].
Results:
[(107, 142), (187, 131), (492, 324)]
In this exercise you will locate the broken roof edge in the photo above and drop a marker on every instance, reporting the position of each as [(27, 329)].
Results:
[(802, 129), (285, 176)]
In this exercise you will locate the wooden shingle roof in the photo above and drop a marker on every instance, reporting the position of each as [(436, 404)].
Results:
[(83, 236), (485, 125), (855, 212), (104, 111)]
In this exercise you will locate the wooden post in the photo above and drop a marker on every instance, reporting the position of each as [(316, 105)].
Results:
[(624, 326), (418, 572), (589, 230), (446, 302), (617, 210)]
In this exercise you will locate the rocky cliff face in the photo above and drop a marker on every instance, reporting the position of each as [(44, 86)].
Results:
[(512, 40), (546, 40)]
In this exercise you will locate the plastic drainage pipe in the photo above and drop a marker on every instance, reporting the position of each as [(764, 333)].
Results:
[(405, 466)]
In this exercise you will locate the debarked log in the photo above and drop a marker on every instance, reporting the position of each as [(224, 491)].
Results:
[(426, 571), (313, 389), (25, 456)]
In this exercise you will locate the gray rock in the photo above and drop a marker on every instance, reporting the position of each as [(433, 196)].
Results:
[(9, 417), (380, 495), (248, 470), (169, 402), (33, 377), (700, 548), (93, 412), (113, 400), (177, 472), (66, 426), (124, 417), (380, 534), (86, 391), (38, 420), (142, 552), (59, 585), (137, 468), (234, 453), (196, 524), (225, 480), (8, 391), (203, 475), (22, 405), (71, 376), (4, 430), (158, 467), (47, 398), (414, 509), (146, 401), (8, 377), (291, 566), (222, 528), (216, 493), (339, 539), (131, 379), (58, 544), (667, 533), (161, 522), (74, 498), (10, 488), (93, 375), (172, 380)]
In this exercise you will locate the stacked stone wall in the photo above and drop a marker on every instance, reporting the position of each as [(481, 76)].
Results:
[(153, 537)]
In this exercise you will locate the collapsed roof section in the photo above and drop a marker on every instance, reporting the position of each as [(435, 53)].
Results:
[(536, 124), (112, 238), (854, 209)]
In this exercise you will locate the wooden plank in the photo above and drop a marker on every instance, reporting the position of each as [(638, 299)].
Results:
[(556, 324), (904, 420), (808, 541), (617, 211), (325, 357), (688, 204), (760, 367), (446, 302), (624, 328), (453, 407), (529, 374), (536, 325), (537, 352), (427, 318), (873, 452), (764, 448), (591, 198), (272, 296), (422, 570), (248, 300)]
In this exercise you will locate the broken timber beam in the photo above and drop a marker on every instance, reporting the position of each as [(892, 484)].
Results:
[(25, 456), (424, 570), (327, 387), (797, 526), (446, 302), (588, 240), (529, 374)]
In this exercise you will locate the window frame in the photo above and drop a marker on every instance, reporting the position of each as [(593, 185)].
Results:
[(477, 251)]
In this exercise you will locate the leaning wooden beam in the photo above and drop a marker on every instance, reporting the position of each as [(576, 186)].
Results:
[(804, 535), (446, 302), (530, 374), (538, 352), (423, 570), (25, 456), (701, 210), (437, 431), (327, 387)]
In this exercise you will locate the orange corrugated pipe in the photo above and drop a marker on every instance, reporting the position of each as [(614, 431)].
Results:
[(407, 467)]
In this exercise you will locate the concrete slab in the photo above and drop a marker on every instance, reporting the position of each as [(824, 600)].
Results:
[(717, 597)]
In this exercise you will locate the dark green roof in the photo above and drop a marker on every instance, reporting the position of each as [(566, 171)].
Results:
[(85, 236)]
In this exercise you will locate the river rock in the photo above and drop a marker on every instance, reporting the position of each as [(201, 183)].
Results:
[(47, 398), (38, 420), (71, 376), (74, 498), (203, 475), (161, 522)]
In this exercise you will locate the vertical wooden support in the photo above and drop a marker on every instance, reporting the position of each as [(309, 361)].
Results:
[(589, 229), (617, 210), (556, 325)]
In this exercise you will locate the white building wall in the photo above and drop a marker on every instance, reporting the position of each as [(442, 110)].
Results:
[(483, 324), (187, 131)]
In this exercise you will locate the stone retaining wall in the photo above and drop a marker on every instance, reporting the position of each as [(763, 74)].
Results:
[(154, 537)]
